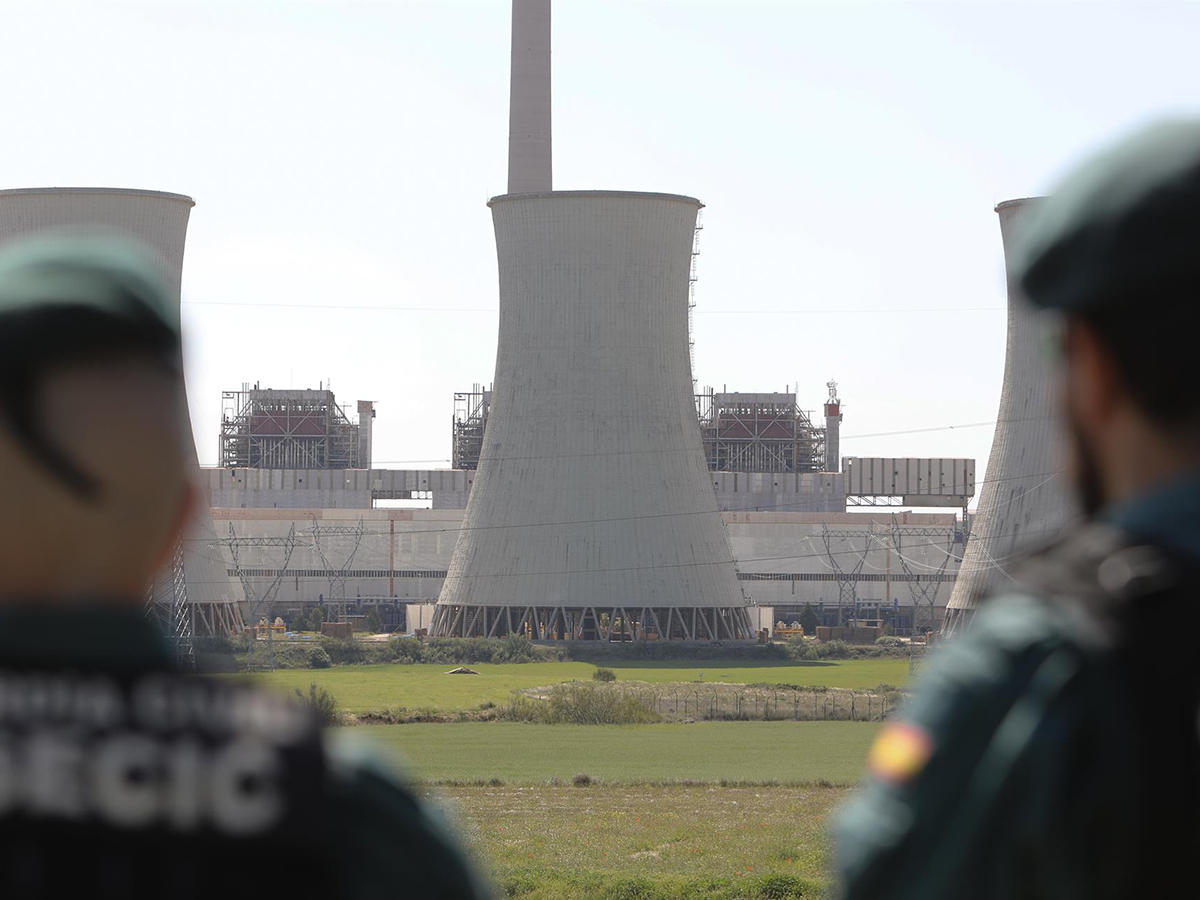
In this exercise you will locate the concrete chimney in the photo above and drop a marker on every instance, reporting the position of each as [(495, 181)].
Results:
[(529, 149)]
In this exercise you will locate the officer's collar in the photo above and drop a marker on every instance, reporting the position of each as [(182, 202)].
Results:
[(1167, 515), (91, 636)]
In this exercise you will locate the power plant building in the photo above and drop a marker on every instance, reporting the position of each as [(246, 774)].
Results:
[(197, 580)]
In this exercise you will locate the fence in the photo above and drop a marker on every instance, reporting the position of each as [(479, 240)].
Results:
[(735, 703)]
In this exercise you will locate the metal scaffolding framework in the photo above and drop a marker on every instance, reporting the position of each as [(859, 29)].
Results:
[(470, 415), (288, 429), (616, 624), (759, 433), (740, 432)]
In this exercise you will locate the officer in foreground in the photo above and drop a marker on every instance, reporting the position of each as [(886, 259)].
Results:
[(1052, 750), (120, 777)]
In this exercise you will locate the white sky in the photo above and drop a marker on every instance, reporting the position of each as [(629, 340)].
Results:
[(849, 154)]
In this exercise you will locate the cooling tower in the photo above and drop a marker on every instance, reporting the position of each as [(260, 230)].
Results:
[(158, 220), (592, 515), (1025, 499)]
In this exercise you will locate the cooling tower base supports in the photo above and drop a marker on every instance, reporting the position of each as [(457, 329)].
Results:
[(594, 623)]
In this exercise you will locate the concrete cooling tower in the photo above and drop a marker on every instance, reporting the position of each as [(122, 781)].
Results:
[(592, 515), (1025, 499), (158, 220)]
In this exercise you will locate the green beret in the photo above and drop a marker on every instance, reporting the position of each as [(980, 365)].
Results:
[(1123, 229), (111, 277)]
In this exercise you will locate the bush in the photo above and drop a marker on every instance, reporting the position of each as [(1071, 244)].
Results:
[(833, 650), (579, 703), (808, 619), (374, 621), (581, 780), (343, 650), (321, 704), (318, 658), (604, 675), (888, 641)]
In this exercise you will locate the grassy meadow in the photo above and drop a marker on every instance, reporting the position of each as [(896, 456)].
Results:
[(366, 687), (520, 753), (711, 810), (648, 841)]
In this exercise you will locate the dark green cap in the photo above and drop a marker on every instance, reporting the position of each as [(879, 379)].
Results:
[(1123, 229), (71, 298), (112, 277)]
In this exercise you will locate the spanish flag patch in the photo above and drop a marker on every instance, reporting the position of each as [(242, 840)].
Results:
[(899, 752)]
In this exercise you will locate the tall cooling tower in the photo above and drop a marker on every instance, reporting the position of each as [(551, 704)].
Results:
[(1025, 499), (160, 221), (592, 515)]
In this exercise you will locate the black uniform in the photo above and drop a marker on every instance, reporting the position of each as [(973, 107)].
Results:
[(1053, 750), (120, 776)]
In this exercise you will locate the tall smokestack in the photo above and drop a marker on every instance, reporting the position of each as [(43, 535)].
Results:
[(529, 150)]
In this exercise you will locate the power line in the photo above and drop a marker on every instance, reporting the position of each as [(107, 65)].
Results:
[(684, 565), (691, 448), (494, 309), (799, 505)]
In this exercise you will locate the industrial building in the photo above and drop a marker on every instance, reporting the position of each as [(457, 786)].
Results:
[(740, 432), (293, 429), (595, 495), (1025, 501), (195, 594)]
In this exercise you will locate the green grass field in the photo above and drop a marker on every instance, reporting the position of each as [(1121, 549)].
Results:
[(359, 688), (647, 842), (518, 753)]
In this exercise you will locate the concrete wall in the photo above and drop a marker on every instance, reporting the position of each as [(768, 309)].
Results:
[(780, 556), (451, 488), (1025, 500)]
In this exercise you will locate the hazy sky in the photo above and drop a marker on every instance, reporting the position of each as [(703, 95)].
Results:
[(850, 156)]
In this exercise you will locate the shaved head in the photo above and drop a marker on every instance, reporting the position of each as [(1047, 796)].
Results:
[(121, 423)]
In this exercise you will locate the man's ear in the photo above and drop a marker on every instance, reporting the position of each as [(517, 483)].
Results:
[(1092, 380), (183, 515)]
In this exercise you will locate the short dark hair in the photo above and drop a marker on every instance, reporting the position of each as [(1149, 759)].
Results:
[(1153, 346)]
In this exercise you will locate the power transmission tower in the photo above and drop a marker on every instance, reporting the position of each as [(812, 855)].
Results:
[(847, 581), (173, 612), (257, 602), (923, 589), (337, 576)]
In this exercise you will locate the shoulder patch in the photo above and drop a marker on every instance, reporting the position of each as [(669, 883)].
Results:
[(899, 752)]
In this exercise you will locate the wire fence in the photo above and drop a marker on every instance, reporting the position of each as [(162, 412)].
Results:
[(742, 703)]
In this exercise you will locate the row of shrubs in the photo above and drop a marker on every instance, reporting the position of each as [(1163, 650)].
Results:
[(579, 703), (223, 654)]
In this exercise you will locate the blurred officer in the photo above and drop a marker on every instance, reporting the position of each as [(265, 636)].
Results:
[(1052, 751), (118, 776)]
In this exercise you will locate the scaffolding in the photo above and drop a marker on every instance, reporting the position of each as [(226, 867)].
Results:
[(759, 433), (470, 415), (289, 429), (740, 432)]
